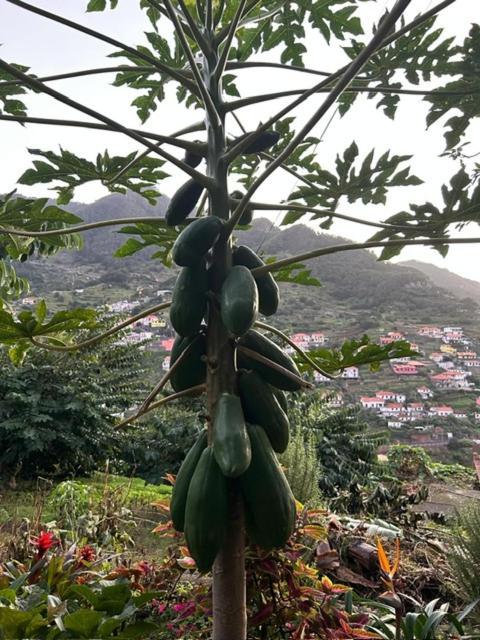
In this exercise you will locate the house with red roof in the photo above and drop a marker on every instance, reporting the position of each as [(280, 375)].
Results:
[(442, 411), (404, 369), (371, 402)]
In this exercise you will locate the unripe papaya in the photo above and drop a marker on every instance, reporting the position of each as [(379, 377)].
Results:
[(182, 482), (206, 511), (260, 406), (257, 342), (189, 300), (231, 444), (191, 158), (269, 502), (281, 399), (183, 202), (239, 300), (196, 240), (268, 291), (247, 215), (192, 371), (264, 141)]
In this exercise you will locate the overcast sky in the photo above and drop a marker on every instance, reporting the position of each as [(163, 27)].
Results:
[(48, 48)]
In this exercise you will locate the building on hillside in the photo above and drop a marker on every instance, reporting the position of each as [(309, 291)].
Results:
[(424, 392), (158, 322), (386, 395), (371, 402), (163, 293), (467, 355), (446, 364), (167, 344), (335, 401), (404, 369), (395, 424), (318, 377), (437, 356), (392, 409), (318, 338), (166, 363), (461, 415), (302, 340), (415, 407), (442, 411), (472, 363), (351, 373), (429, 331), (458, 331), (29, 301), (447, 348), (391, 336)]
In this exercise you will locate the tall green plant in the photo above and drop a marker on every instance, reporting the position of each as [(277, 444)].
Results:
[(464, 556), (196, 46)]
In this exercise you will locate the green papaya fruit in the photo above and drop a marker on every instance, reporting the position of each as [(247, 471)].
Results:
[(182, 482), (281, 399), (264, 141), (260, 406), (231, 445), (189, 300), (257, 342), (183, 202), (192, 371), (196, 240), (269, 502), (239, 300), (191, 158), (268, 291), (206, 511), (247, 216)]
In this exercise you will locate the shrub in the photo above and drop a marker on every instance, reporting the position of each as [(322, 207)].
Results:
[(301, 467)]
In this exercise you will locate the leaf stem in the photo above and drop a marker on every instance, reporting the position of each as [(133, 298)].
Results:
[(172, 73), (199, 388), (347, 76), (116, 126), (220, 67), (338, 248), (202, 89), (96, 339), (301, 352), (273, 365)]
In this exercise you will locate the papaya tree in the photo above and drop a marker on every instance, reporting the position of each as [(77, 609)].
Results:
[(231, 490)]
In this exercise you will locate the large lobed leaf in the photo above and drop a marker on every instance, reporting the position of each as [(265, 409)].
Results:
[(73, 171)]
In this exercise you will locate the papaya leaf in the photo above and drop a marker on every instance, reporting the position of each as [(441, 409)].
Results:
[(461, 206), (421, 54), (12, 106), (356, 353), (74, 171), (152, 82), (298, 274), (101, 5), (468, 82), (151, 235), (368, 180)]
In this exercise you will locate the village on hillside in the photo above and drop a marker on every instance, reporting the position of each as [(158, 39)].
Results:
[(428, 401)]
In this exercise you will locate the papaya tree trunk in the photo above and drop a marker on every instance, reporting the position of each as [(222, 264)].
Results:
[(229, 591)]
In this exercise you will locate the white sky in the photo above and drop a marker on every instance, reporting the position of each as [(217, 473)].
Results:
[(48, 48)]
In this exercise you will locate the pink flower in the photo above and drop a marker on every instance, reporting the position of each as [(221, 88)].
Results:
[(43, 542)]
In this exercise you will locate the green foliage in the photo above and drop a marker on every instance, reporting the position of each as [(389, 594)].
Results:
[(56, 411), (346, 453), (301, 467), (408, 463), (18, 331), (468, 83), (461, 203), (12, 105), (159, 235), (158, 445), (74, 171), (368, 181), (464, 554), (355, 353)]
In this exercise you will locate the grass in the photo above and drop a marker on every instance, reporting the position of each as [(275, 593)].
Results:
[(42, 503)]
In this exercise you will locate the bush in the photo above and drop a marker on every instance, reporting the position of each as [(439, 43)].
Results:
[(159, 445), (464, 557), (301, 467)]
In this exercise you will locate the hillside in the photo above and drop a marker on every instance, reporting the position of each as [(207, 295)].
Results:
[(460, 287), (358, 293)]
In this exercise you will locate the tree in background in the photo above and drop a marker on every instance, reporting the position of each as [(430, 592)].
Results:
[(200, 47), (57, 410)]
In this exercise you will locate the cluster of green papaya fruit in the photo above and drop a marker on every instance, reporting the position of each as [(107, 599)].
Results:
[(249, 425)]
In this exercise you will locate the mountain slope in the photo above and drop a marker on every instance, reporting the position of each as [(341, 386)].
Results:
[(358, 293), (458, 286)]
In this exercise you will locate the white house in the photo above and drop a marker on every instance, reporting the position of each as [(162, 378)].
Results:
[(371, 403), (350, 373)]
